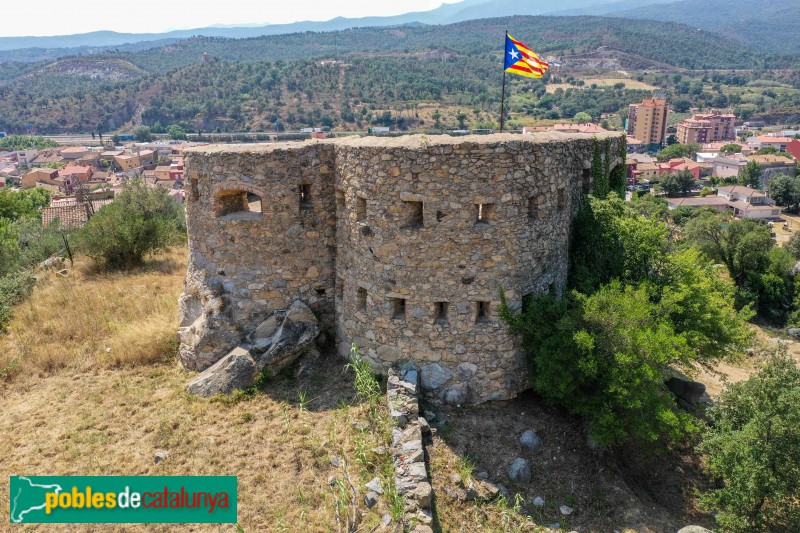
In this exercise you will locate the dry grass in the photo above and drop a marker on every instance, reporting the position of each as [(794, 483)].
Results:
[(112, 422), (97, 391), (96, 319)]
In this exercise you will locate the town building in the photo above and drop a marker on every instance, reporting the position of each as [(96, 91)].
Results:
[(647, 121), (793, 147), (73, 153), (39, 176), (76, 171), (127, 162), (707, 128), (741, 201), (763, 141), (635, 146)]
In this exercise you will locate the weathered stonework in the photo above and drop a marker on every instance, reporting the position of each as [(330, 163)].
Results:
[(400, 244)]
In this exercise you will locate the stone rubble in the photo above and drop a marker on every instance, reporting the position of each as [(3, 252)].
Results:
[(408, 450), (242, 366)]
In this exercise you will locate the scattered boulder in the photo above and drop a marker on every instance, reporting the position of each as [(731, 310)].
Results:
[(538, 501), (241, 367), (794, 332), (520, 471), (371, 498), (159, 456), (565, 510), (375, 485), (423, 494), (53, 262), (237, 370), (487, 490), (694, 529), (687, 390), (531, 441)]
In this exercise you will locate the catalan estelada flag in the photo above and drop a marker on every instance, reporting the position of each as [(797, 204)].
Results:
[(522, 60)]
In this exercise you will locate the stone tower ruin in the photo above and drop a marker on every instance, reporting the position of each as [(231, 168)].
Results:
[(400, 245)]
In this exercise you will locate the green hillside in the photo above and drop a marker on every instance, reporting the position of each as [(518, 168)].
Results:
[(227, 85), (765, 24)]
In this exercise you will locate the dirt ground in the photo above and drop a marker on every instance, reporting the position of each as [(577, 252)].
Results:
[(628, 491)]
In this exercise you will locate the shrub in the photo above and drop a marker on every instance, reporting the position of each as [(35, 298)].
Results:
[(753, 447), (14, 288), (141, 220), (605, 355)]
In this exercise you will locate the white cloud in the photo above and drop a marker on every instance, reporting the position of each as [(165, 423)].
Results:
[(60, 17)]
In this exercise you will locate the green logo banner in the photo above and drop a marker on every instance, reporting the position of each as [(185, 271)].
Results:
[(122, 499)]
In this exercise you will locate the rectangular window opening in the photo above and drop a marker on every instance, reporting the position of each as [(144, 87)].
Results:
[(440, 312), (254, 203), (194, 193), (361, 209), (399, 308), (533, 208), (482, 314), (362, 299), (587, 180), (484, 213), (305, 196), (414, 215), (527, 301)]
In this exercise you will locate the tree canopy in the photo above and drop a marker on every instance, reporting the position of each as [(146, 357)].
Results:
[(753, 448), (677, 184), (676, 151)]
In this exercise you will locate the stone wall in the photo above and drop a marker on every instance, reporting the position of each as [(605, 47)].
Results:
[(402, 243), (244, 265)]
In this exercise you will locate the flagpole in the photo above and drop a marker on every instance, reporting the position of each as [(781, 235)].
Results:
[(503, 97)]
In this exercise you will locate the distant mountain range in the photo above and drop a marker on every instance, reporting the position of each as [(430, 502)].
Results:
[(766, 24)]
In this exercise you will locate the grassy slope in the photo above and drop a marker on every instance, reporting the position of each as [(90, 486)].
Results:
[(97, 391)]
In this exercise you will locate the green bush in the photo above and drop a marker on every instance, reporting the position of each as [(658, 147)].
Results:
[(141, 220), (14, 288), (753, 447)]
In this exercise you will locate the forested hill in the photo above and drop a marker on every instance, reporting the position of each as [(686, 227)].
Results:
[(673, 44), (213, 83), (764, 24)]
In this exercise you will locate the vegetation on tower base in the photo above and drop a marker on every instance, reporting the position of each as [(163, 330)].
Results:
[(638, 309)]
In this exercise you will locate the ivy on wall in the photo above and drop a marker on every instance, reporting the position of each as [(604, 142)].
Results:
[(605, 179)]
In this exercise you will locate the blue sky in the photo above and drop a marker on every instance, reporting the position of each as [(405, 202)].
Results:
[(60, 17)]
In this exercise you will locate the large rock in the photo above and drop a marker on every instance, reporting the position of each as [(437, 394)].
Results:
[(520, 471), (237, 370), (241, 367), (694, 529), (687, 390), (531, 441), (434, 376), (295, 335)]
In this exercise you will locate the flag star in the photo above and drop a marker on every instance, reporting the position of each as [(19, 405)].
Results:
[(514, 54)]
